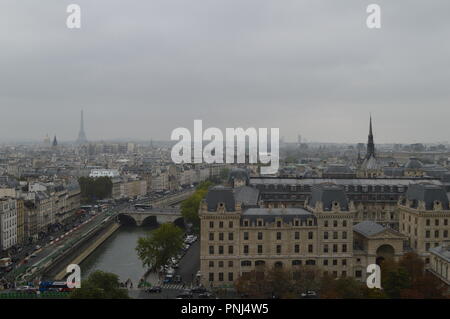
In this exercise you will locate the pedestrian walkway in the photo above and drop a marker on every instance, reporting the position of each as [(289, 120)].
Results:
[(173, 286)]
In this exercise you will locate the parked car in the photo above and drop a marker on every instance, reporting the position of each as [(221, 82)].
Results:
[(177, 279), (309, 294), (185, 295), (207, 295), (199, 290), (155, 289), (168, 279)]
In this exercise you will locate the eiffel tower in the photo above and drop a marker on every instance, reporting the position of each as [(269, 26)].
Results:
[(81, 135)]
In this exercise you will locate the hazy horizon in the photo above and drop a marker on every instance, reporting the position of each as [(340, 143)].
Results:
[(141, 69)]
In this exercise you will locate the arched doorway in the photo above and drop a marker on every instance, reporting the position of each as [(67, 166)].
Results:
[(384, 252)]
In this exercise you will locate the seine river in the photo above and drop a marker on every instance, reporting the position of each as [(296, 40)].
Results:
[(117, 255)]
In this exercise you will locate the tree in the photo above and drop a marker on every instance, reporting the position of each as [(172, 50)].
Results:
[(275, 283), (190, 206), (341, 288), (95, 188), (394, 278), (100, 285), (423, 284), (158, 247)]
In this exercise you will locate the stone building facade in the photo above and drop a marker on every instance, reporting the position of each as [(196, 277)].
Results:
[(424, 218), (238, 237)]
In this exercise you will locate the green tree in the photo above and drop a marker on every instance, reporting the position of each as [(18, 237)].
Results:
[(190, 206), (275, 283), (394, 278), (158, 247), (100, 285), (341, 288), (95, 188)]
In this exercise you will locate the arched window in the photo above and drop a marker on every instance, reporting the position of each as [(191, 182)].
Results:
[(296, 262)]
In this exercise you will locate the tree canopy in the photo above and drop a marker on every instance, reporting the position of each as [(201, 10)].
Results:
[(100, 285), (190, 206), (95, 188), (159, 246)]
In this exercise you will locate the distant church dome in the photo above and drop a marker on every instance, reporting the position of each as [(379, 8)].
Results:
[(238, 177), (413, 163)]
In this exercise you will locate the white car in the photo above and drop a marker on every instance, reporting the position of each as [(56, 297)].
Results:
[(24, 288)]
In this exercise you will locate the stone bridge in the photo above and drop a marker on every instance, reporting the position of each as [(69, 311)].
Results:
[(159, 214), (170, 200)]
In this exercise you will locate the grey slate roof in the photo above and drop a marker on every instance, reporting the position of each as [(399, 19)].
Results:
[(327, 194), (368, 228), (220, 194), (338, 168), (394, 171), (247, 196), (442, 251), (413, 163), (428, 193)]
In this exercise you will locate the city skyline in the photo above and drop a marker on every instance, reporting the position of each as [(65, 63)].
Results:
[(309, 68)]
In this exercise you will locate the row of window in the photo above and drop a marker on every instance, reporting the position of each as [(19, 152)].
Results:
[(334, 262), (348, 188), (279, 223), (221, 224), (221, 276), (427, 221), (260, 250), (220, 264), (436, 234)]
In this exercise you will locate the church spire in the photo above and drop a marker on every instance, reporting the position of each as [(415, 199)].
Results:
[(370, 143)]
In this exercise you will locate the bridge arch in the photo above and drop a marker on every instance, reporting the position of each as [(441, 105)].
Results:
[(150, 221), (125, 219)]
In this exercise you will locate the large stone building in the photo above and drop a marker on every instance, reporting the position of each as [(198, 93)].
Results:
[(375, 199), (424, 217), (237, 236)]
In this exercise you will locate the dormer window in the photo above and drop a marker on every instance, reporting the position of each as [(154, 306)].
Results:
[(246, 223)]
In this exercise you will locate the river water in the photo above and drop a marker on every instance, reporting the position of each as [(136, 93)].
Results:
[(118, 255)]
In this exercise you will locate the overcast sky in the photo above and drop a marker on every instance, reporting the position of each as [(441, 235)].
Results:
[(139, 69)]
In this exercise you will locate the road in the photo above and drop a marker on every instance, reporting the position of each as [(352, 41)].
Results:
[(50, 248), (189, 266)]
